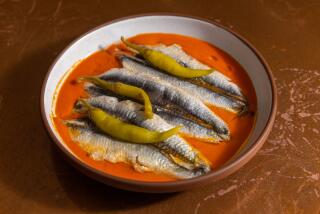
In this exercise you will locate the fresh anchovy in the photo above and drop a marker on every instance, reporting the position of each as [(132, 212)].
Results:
[(173, 110), (142, 157), (161, 93), (133, 112), (206, 95), (216, 78), (191, 126)]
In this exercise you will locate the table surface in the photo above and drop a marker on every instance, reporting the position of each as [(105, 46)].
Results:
[(284, 177)]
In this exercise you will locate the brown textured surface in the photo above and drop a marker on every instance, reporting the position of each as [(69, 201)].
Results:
[(284, 177)]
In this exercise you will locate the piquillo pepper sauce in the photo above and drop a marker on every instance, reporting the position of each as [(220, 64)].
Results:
[(101, 61)]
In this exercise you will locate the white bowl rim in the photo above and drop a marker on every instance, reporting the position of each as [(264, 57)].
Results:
[(178, 185)]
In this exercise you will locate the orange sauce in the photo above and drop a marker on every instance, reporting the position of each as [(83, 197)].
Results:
[(99, 62)]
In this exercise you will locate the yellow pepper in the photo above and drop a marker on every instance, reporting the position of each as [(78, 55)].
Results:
[(124, 90), (166, 63), (125, 131)]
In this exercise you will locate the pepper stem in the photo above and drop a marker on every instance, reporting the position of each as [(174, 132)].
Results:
[(135, 47)]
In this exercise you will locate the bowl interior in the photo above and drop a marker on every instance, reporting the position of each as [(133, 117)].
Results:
[(110, 33)]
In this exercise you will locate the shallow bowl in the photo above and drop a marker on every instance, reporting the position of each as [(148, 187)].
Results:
[(225, 39)]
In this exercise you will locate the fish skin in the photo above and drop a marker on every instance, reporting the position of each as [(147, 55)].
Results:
[(170, 109), (215, 78), (190, 127), (207, 96), (143, 158), (161, 93), (133, 112)]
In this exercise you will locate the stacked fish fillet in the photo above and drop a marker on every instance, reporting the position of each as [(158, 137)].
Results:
[(175, 101)]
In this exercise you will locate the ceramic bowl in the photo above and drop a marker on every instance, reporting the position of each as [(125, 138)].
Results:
[(214, 33)]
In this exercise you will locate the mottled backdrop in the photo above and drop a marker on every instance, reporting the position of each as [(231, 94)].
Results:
[(284, 177)]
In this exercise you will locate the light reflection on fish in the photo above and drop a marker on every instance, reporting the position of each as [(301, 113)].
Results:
[(143, 158)]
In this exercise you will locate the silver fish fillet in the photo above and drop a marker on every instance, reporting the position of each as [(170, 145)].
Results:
[(175, 146), (216, 78), (190, 127), (143, 158), (160, 93), (206, 95)]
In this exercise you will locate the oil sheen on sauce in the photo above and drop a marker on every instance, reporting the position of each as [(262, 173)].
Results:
[(101, 61)]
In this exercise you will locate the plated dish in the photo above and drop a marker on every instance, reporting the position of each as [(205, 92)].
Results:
[(154, 109), (210, 107)]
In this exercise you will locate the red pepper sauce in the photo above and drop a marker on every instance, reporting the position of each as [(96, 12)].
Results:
[(101, 61)]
